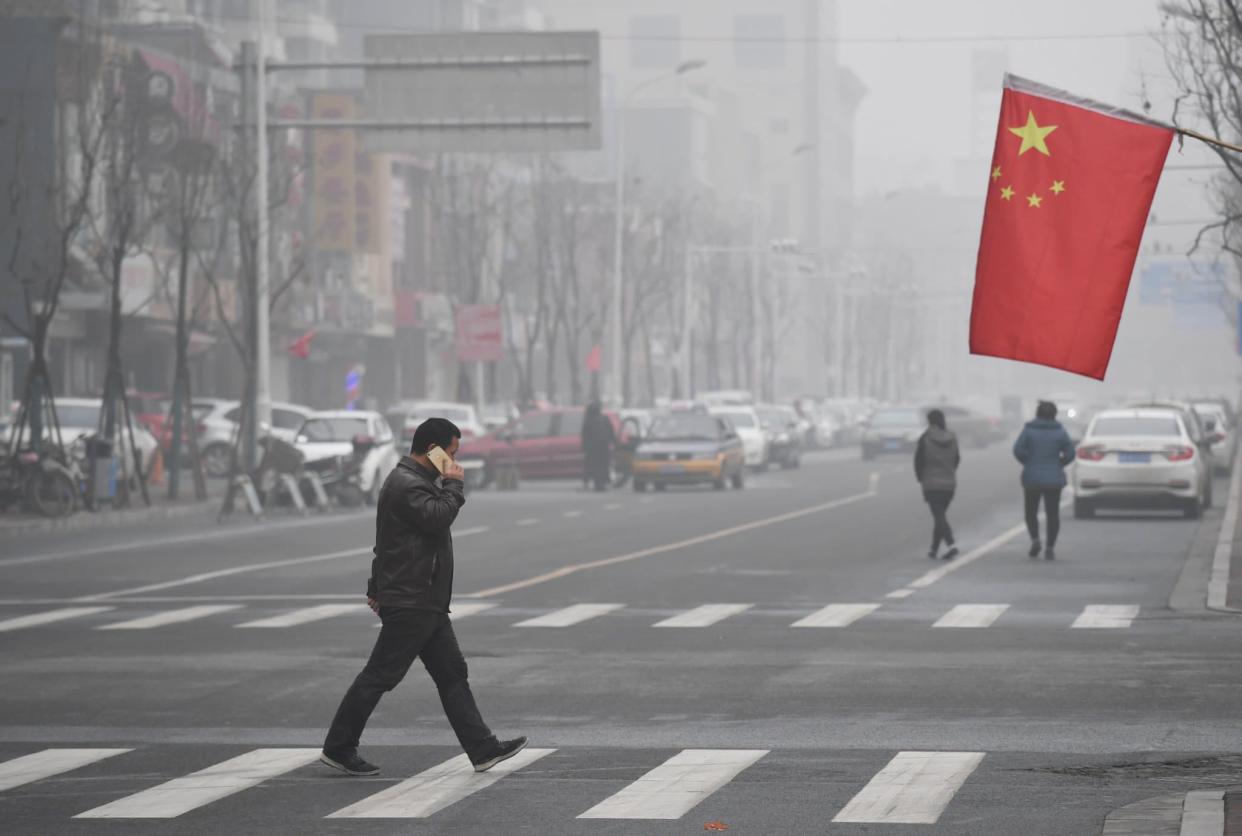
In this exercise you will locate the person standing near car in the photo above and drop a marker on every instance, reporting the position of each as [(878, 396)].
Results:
[(1045, 449), (936, 459), (598, 440), (410, 588)]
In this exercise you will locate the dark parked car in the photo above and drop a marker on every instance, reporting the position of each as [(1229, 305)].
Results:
[(973, 429)]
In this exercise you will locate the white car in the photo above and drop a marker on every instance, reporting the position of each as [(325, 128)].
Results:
[(745, 422), (1144, 458), (405, 417), (331, 434), (217, 428), (1220, 432), (80, 416)]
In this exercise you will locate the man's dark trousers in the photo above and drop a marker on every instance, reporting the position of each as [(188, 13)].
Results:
[(408, 633)]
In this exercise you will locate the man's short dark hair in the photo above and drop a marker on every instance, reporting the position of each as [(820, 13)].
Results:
[(935, 418), (434, 432), (1046, 411)]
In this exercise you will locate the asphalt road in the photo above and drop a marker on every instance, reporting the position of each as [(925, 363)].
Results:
[(140, 658)]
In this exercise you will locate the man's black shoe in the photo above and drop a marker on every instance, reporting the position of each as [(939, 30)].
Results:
[(1050, 554), (1036, 548), (349, 764), (503, 750), (951, 553)]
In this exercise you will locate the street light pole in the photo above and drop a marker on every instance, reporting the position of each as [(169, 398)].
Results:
[(263, 360), (618, 249)]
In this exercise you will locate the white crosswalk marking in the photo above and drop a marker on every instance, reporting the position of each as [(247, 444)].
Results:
[(431, 791), (703, 616), (570, 616), (836, 615), (914, 788), (1106, 616), (461, 609), (192, 791), (160, 619), (676, 786), (307, 615), (971, 615), (528, 521), (49, 617), (572, 514), (49, 762)]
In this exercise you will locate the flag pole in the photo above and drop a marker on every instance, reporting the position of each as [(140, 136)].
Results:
[(1208, 139)]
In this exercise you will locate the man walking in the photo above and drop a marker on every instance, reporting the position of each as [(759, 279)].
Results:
[(1044, 448), (410, 588)]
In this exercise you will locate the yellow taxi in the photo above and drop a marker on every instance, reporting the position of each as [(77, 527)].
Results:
[(684, 448)]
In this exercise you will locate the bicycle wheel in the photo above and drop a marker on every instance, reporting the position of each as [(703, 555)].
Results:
[(52, 493)]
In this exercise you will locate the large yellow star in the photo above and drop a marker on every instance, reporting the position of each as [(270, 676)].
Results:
[(1034, 200), (1033, 135), (1006, 192), (1058, 186)]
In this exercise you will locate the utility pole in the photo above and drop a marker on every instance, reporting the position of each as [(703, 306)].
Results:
[(263, 349)]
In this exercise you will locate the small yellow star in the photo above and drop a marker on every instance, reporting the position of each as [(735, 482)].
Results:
[(1034, 200), (1006, 192), (996, 173), (1058, 186), (1033, 135)]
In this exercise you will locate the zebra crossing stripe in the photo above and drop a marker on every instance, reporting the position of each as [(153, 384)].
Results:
[(461, 609), (307, 615), (161, 619), (971, 615), (570, 616), (48, 617), (914, 788), (703, 616), (181, 795), (431, 791), (676, 786), (49, 762), (836, 615), (1106, 616)]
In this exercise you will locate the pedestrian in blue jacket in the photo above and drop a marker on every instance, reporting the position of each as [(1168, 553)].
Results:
[(1044, 448)]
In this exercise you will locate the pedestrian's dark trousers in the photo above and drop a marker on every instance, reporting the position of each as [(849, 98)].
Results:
[(1051, 498), (406, 634), (938, 501)]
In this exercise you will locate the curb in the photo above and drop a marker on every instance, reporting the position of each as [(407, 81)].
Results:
[(1222, 560), (109, 519)]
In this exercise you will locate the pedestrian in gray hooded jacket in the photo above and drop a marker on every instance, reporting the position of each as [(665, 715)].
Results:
[(936, 458)]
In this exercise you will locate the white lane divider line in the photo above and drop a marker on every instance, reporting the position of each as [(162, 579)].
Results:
[(572, 514), (836, 615), (161, 619), (254, 567), (528, 521), (900, 593), (672, 547), (49, 762), (49, 617), (431, 791), (914, 788), (1106, 616), (676, 786), (306, 616), (181, 795), (703, 616), (971, 615), (570, 616)]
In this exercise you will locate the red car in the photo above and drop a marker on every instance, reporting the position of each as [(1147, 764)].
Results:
[(543, 444)]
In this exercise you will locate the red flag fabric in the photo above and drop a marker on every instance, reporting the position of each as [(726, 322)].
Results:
[(1069, 193), (593, 360), (301, 346)]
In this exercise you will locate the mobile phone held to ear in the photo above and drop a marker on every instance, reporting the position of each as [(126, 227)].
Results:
[(439, 458)]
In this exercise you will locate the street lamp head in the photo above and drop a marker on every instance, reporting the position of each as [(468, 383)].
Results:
[(690, 66)]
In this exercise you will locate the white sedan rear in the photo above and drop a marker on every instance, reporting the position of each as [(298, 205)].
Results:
[(745, 422), (1140, 458)]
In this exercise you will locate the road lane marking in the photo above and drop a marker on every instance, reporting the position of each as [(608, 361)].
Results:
[(306, 616), (572, 514), (613, 506), (49, 617), (836, 615), (49, 762), (205, 536), (971, 615), (431, 791), (669, 547), (929, 578), (1106, 616), (676, 786), (570, 616), (914, 788), (528, 521), (250, 567), (161, 619), (703, 616), (1218, 585), (900, 593), (1203, 813), (190, 792), (460, 609)]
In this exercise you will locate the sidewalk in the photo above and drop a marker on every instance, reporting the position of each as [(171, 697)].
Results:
[(161, 508)]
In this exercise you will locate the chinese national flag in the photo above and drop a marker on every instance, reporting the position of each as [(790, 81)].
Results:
[(1069, 192)]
